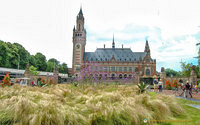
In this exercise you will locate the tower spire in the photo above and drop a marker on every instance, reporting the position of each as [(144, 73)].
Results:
[(113, 43), (80, 12), (147, 49)]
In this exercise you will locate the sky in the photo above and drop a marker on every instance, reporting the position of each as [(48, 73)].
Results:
[(172, 27)]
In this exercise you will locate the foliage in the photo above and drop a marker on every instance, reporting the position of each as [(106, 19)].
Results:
[(170, 72), (13, 54), (65, 104), (172, 85), (43, 81), (75, 84), (33, 70), (168, 84), (40, 61), (51, 63), (175, 83), (6, 80), (186, 69), (63, 68), (142, 87), (10, 54)]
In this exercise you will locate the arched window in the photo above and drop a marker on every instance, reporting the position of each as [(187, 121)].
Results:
[(113, 76), (120, 76), (148, 72), (125, 76)]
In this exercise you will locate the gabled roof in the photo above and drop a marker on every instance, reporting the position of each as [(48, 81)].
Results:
[(120, 54)]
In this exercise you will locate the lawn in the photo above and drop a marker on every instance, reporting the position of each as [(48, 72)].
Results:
[(191, 115), (89, 105)]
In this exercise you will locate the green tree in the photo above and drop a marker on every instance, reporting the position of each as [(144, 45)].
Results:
[(50, 67), (23, 54), (3, 54), (33, 70), (32, 60), (40, 60), (64, 68), (170, 72), (186, 69), (51, 63), (54, 61)]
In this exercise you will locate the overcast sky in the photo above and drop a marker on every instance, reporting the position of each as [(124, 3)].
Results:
[(171, 26)]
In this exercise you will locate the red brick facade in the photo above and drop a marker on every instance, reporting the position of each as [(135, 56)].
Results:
[(142, 64)]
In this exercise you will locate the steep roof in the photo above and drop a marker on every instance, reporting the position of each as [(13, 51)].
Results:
[(120, 54)]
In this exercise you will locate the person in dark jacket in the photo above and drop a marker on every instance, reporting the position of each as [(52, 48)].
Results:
[(188, 87)]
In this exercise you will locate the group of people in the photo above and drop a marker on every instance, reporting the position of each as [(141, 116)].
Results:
[(188, 89), (158, 85)]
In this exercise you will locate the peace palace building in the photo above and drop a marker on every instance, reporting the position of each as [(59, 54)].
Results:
[(113, 62)]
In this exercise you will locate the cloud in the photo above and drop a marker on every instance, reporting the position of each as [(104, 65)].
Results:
[(46, 26), (168, 51)]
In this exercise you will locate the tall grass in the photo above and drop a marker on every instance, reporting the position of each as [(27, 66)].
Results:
[(84, 105)]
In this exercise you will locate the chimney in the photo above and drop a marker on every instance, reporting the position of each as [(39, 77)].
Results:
[(122, 46), (104, 46)]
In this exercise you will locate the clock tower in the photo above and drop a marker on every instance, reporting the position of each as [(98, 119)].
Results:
[(79, 42)]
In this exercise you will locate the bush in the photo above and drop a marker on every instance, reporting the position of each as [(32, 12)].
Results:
[(168, 85), (142, 87), (6, 80)]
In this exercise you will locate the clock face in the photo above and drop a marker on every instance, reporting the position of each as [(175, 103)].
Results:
[(77, 46)]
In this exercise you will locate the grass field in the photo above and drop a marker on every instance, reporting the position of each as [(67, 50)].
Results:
[(90, 105)]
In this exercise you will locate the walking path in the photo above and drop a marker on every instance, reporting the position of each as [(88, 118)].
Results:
[(195, 96)]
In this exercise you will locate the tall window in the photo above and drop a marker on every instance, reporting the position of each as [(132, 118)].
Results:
[(96, 68), (113, 69), (148, 72), (130, 69), (105, 69), (101, 69), (125, 69), (79, 27), (120, 69)]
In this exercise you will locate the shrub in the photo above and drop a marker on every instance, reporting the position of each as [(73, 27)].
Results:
[(142, 87), (168, 85), (6, 80), (175, 84)]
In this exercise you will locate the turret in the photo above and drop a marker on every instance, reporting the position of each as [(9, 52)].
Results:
[(113, 43), (147, 49)]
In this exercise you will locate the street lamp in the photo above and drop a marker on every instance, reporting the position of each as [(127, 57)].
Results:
[(18, 60)]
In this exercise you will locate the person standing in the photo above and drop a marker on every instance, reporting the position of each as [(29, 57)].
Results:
[(183, 87), (160, 83), (188, 87)]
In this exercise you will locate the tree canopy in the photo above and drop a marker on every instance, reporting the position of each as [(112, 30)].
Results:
[(13, 54)]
